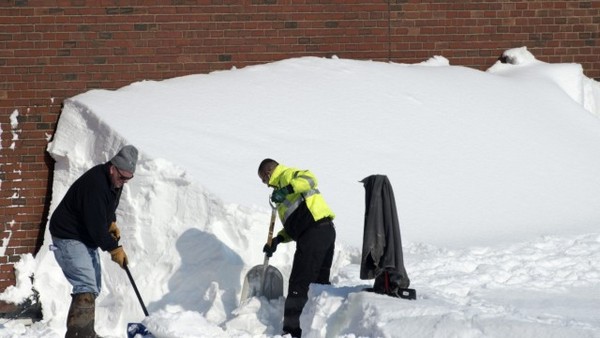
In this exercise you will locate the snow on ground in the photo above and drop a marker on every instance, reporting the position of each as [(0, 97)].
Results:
[(495, 176)]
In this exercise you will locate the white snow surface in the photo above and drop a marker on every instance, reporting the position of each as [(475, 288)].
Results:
[(496, 176)]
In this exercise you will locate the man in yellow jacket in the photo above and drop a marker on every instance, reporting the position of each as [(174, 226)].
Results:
[(306, 219)]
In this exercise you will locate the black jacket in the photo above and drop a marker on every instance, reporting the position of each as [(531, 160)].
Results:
[(382, 246), (87, 210)]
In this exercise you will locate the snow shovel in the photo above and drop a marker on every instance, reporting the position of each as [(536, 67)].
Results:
[(134, 329), (264, 280)]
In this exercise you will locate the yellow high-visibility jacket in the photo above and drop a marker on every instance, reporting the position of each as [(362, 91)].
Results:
[(304, 185)]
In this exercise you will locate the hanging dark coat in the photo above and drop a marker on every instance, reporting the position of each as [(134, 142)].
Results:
[(382, 256)]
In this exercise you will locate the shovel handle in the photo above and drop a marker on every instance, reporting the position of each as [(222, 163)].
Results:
[(269, 241), (137, 292), (270, 235), (272, 225)]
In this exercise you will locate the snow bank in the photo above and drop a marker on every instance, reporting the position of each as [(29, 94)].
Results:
[(520, 63), (476, 159), (461, 154)]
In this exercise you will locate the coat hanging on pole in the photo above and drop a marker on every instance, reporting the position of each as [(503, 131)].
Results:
[(382, 256)]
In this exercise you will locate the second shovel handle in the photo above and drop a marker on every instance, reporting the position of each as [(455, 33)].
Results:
[(272, 225)]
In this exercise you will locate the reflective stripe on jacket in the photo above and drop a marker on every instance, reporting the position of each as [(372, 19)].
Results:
[(304, 184)]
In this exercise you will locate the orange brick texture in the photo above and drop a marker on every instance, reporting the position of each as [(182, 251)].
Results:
[(54, 49)]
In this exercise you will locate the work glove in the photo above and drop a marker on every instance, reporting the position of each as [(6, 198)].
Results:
[(278, 195), (269, 249), (114, 231), (118, 256)]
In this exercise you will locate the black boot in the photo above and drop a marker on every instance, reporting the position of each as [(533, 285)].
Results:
[(80, 320), (294, 332)]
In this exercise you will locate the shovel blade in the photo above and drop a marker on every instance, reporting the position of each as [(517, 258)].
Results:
[(136, 330), (254, 285)]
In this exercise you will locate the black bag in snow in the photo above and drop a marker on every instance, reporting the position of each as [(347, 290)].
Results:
[(382, 256)]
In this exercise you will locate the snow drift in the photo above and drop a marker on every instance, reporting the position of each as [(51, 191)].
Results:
[(475, 158)]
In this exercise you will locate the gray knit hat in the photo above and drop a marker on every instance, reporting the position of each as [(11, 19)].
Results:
[(126, 158)]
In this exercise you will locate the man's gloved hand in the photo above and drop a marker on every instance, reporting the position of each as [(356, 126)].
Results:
[(268, 250), (278, 195), (114, 231), (118, 256)]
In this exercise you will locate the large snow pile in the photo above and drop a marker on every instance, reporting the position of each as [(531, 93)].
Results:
[(496, 178)]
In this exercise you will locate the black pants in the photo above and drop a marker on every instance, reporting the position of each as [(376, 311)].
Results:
[(312, 264)]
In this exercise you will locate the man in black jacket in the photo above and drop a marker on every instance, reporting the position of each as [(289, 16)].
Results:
[(84, 221)]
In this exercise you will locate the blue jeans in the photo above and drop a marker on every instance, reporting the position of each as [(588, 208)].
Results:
[(80, 264)]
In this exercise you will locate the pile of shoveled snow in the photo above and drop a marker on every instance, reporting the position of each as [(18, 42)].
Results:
[(495, 176)]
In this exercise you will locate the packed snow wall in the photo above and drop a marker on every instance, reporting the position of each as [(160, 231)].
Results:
[(490, 156)]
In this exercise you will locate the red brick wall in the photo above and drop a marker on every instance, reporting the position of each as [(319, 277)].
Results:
[(51, 50)]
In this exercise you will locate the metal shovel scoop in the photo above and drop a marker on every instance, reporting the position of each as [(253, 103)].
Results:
[(263, 280)]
